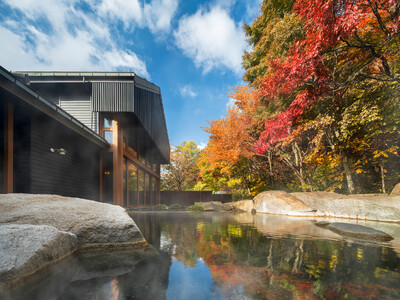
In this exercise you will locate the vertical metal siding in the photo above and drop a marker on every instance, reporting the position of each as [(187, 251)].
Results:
[(113, 96), (147, 106), (149, 110)]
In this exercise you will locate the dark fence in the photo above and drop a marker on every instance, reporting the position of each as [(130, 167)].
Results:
[(224, 198), (187, 198)]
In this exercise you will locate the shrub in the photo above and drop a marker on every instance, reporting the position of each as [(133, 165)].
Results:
[(176, 206), (196, 207), (161, 207)]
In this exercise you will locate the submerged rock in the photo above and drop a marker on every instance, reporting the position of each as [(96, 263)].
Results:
[(322, 223), (26, 249), (96, 225), (280, 202), (359, 231)]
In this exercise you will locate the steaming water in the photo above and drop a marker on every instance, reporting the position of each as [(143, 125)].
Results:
[(227, 256)]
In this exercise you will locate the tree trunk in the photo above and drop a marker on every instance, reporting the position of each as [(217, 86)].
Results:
[(349, 178), (383, 177), (303, 184)]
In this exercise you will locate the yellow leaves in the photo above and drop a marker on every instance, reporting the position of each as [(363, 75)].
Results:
[(255, 190), (235, 230), (385, 153), (232, 182), (359, 171), (360, 254)]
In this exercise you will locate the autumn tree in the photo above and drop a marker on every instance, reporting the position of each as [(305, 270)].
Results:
[(323, 110), (226, 161), (182, 173), (346, 44), (271, 34)]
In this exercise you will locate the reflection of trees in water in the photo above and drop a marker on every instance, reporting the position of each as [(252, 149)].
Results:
[(299, 268), (285, 266)]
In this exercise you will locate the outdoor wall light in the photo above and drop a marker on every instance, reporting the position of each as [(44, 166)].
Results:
[(60, 151)]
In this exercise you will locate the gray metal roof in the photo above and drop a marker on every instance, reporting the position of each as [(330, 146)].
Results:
[(60, 73), (15, 86), (58, 76)]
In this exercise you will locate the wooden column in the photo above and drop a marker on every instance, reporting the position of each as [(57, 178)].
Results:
[(101, 176), (9, 148), (118, 159)]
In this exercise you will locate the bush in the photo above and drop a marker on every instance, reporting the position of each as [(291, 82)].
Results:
[(176, 206), (161, 207), (196, 207)]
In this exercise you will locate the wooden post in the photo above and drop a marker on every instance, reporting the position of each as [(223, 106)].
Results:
[(118, 156), (9, 148), (101, 176)]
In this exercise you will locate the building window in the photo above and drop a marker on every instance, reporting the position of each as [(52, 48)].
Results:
[(132, 184), (154, 191), (147, 184), (141, 187), (106, 129), (107, 123), (108, 136)]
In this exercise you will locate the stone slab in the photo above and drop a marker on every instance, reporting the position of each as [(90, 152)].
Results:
[(359, 231), (26, 249), (96, 225)]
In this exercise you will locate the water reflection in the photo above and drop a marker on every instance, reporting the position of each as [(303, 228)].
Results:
[(97, 275), (226, 256), (265, 256)]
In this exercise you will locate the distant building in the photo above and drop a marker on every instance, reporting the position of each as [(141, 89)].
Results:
[(100, 136)]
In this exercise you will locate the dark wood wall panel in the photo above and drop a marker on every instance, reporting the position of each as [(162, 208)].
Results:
[(75, 174), (2, 126), (22, 129)]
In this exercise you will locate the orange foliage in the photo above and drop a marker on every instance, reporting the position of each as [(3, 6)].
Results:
[(229, 138)]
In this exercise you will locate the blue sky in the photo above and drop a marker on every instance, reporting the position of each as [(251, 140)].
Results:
[(191, 49)]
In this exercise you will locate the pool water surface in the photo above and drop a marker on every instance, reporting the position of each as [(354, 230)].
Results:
[(226, 256)]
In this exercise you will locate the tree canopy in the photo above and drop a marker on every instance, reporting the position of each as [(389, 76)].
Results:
[(322, 108)]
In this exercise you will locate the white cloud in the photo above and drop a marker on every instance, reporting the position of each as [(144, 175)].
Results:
[(187, 90), (202, 145), (156, 15), (54, 10), (71, 41), (230, 103), (159, 13), (127, 11), (212, 40), (117, 58)]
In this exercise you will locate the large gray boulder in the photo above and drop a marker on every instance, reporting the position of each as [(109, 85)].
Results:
[(243, 205), (26, 249), (282, 203), (96, 225), (396, 190), (368, 207), (215, 206)]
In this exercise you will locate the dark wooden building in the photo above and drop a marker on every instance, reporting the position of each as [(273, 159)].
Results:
[(99, 136)]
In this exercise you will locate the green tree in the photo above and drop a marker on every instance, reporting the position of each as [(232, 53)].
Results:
[(182, 173)]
